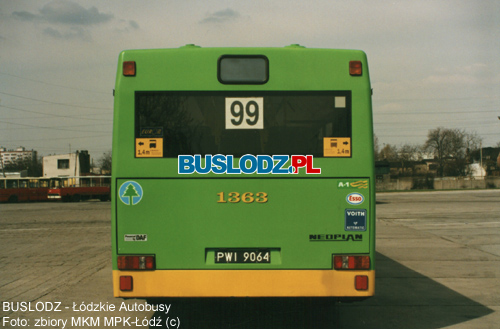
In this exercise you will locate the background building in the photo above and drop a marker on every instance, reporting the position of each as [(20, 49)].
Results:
[(9, 157), (67, 165)]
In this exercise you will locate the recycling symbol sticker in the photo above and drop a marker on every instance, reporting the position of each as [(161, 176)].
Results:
[(130, 193)]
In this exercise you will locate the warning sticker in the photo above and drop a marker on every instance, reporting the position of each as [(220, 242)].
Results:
[(149, 147), (337, 147)]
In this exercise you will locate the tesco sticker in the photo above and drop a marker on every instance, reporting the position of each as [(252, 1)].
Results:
[(355, 198)]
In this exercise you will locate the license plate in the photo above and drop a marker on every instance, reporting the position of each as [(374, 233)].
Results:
[(242, 256)]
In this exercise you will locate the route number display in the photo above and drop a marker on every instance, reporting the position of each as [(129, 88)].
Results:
[(245, 113)]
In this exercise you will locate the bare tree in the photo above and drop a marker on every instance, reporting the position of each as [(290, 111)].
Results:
[(451, 148), (437, 144), (472, 143), (389, 152), (376, 148), (104, 163), (407, 154)]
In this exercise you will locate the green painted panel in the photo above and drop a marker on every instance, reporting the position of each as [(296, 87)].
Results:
[(184, 218)]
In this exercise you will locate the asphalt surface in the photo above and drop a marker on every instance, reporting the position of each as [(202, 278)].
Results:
[(438, 266)]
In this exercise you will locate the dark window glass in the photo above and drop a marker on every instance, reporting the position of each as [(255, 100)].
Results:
[(243, 69), (12, 184), (63, 164), (238, 123)]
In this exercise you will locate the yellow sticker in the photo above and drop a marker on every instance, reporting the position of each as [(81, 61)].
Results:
[(337, 147), (149, 147), (360, 184)]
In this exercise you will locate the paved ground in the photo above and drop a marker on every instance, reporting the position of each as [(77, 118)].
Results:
[(438, 265), (438, 262)]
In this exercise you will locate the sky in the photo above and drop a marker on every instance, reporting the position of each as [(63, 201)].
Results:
[(432, 62)]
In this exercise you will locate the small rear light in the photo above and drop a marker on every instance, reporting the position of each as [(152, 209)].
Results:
[(351, 262), (129, 68), (361, 282), (136, 262), (355, 68), (150, 263), (126, 283)]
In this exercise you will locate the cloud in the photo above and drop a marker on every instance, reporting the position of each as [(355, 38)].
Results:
[(53, 32), (134, 24), (221, 16), (66, 20), (125, 26), (25, 16), (72, 33), (65, 12)]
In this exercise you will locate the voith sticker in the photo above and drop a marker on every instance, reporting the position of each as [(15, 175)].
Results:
[(355, 219), (355, 198)]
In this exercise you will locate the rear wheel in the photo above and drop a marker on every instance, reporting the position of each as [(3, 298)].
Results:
[(76, 198), (13, 199)]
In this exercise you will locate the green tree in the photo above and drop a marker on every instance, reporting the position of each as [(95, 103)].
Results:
[(130, 192)]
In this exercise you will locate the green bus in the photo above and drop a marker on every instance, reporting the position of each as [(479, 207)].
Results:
[(243, 172)]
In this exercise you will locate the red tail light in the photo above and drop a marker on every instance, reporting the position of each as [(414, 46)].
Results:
[(136, 262), (351, 262)]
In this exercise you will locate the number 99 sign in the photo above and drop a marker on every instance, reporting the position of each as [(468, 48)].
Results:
[(245, 113)]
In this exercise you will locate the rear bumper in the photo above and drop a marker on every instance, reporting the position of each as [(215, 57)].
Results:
[(243, 283)]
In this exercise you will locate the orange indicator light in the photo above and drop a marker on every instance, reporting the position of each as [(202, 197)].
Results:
[(129, 68), (355, 68)]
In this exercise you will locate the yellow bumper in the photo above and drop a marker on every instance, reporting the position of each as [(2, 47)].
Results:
[(243, 283)]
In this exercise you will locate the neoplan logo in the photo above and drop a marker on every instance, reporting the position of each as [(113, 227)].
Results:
[(335, 237)]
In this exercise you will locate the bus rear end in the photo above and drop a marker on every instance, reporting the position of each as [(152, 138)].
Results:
[(243, 172)]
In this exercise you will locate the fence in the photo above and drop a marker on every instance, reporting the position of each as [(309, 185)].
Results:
[(430, 183)]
